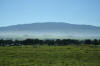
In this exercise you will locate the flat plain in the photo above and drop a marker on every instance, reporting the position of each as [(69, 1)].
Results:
[(70, 55)]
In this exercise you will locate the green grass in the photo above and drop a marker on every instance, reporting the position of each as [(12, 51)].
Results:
[(70, 55)]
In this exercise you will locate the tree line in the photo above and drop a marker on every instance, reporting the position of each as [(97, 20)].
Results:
[(57, 42)]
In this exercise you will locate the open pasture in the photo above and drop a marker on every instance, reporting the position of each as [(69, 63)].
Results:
[(70, 55)]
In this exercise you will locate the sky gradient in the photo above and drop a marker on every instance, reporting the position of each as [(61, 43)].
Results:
[(14, 12)]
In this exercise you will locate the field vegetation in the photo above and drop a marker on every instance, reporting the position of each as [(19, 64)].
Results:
[(45, 55)]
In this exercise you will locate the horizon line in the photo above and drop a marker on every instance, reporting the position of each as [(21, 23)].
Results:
[(45, 22)]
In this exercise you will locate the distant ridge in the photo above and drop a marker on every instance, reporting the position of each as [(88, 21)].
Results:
[(51, 30), (50, 23)]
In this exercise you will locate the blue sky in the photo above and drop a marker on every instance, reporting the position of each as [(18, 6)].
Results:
[(29, 11)]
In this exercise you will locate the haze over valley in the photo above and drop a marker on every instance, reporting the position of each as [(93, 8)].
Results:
[(50, 30)]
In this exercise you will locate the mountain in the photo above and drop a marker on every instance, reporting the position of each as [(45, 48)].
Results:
[(50, 30)]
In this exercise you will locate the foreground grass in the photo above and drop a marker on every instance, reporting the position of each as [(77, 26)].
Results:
[(70, 55)]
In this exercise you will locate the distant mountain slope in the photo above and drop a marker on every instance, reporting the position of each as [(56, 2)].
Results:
[(50, 30)]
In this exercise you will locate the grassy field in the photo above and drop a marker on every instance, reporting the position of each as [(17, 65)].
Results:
[(70, 55)]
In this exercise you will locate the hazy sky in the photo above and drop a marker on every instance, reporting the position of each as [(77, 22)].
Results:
[(30, 11)]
